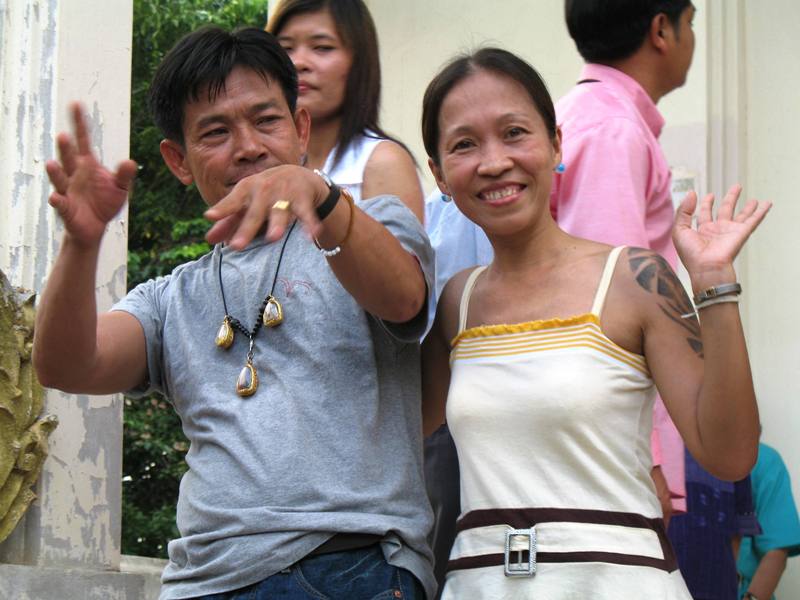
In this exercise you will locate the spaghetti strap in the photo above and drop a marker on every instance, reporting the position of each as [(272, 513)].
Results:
[(605, 281), (463, 307)]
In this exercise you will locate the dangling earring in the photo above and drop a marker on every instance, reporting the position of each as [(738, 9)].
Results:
[(560, 168), (303, 160), (446, 198)]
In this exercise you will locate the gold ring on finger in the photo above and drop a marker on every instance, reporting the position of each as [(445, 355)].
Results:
[(281, 205)]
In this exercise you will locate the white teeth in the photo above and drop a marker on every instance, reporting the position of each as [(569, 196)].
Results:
[(499, 194)]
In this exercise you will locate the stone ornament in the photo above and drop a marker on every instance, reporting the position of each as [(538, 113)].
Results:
[(23, 431)]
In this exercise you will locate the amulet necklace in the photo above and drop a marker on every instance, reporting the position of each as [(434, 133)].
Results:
[(270, 314)]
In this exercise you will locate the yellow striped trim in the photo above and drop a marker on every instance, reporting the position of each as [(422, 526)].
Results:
[(527, 326), (583, 331)]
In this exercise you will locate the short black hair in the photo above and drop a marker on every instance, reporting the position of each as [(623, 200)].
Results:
[(203, 60), (495, 60), (609, 30)]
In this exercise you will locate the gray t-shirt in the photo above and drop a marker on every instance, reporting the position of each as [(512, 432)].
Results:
[(330, 442)]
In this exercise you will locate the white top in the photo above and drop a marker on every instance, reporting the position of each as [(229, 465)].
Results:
[(552, 424), (349, 171)]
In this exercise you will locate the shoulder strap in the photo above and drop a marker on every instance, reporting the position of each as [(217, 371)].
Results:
[(463, 307), (605, 280)]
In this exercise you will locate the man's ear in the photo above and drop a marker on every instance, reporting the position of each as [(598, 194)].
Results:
[(660, 30), (302, 123), (174, 155), (437, 174)]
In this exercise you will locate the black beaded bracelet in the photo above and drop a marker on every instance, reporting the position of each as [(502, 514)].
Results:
[(327, 205)]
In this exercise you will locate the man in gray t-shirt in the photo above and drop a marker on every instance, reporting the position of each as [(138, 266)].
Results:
[(290, 352)]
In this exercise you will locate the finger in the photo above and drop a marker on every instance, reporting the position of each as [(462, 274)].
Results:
[(61, 203), (747, 211), (81, 129), (705, 214), (126, 172), (307, 214), (66, 152), (227, 206), (223, 229), (683, 216), (279, 219), (254, 218), (728, 204), (57, 176), (758, 215)]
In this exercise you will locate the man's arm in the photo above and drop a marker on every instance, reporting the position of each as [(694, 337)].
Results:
[(768, 574), (74, 350), (372, 265)]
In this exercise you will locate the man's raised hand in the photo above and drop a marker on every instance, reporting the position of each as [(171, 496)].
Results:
[(87, 195)]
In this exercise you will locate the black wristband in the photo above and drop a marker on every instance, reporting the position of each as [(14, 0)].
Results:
[(327, 205)]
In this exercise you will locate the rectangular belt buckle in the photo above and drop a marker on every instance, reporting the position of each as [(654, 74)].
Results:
[(520, 568)]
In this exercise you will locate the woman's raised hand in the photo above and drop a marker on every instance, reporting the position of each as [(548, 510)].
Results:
[(87, 195), (708, 250)]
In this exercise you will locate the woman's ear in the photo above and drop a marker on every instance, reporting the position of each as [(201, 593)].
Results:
[(557, 148), (437, 175)]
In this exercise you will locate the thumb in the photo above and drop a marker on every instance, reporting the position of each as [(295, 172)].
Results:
[(126, 172), (62, 205), (685, 212)]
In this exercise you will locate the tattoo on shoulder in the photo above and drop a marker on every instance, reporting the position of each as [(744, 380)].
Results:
[(654, 274)]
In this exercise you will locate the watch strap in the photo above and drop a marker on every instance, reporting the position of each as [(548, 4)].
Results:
[(327, 205), (725, 289)]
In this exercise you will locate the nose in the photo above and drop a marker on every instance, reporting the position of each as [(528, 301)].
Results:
[(300, 58), (495, 160), (249, 145)]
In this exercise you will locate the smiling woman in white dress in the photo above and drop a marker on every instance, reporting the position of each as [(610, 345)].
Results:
[(545, 363)]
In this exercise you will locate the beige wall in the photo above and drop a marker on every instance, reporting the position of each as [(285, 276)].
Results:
[(735, 120), (772, 149)]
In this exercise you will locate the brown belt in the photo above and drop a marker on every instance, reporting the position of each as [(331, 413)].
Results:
[(342, 542), (525, 518)]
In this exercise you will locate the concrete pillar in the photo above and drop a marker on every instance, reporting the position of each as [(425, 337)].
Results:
[(53, 52)]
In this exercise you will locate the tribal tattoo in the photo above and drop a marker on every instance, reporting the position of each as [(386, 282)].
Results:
[(654, 274)]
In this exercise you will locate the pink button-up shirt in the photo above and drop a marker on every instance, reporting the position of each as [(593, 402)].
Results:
[(615, 189)]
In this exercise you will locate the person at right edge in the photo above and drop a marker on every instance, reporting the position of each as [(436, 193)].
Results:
[(762, 558)]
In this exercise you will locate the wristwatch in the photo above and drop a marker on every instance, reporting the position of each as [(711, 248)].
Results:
[(327, 205), (749, 596)]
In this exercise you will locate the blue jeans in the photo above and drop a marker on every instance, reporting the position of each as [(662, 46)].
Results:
[(361, 574)]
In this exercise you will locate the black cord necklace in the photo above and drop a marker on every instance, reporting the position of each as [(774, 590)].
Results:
[(270, 314)]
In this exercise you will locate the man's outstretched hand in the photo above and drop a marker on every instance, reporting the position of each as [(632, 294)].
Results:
[(87, 195)]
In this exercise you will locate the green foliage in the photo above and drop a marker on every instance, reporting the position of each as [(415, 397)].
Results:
[(166, 229)]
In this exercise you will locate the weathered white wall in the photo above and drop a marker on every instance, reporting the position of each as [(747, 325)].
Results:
[(55, 51)]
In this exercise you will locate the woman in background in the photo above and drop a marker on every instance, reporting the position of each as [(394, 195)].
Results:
[(334, 47)]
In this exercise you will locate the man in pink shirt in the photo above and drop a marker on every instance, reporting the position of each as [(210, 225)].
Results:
[(615, 184)]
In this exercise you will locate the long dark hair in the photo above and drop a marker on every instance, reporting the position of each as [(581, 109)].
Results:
[(362, 95)]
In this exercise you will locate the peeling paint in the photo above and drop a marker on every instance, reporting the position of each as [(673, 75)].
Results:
[(76, 521)]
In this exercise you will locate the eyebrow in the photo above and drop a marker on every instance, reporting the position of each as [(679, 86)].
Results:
[(221, 118), (317, 37), (462, 129)]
